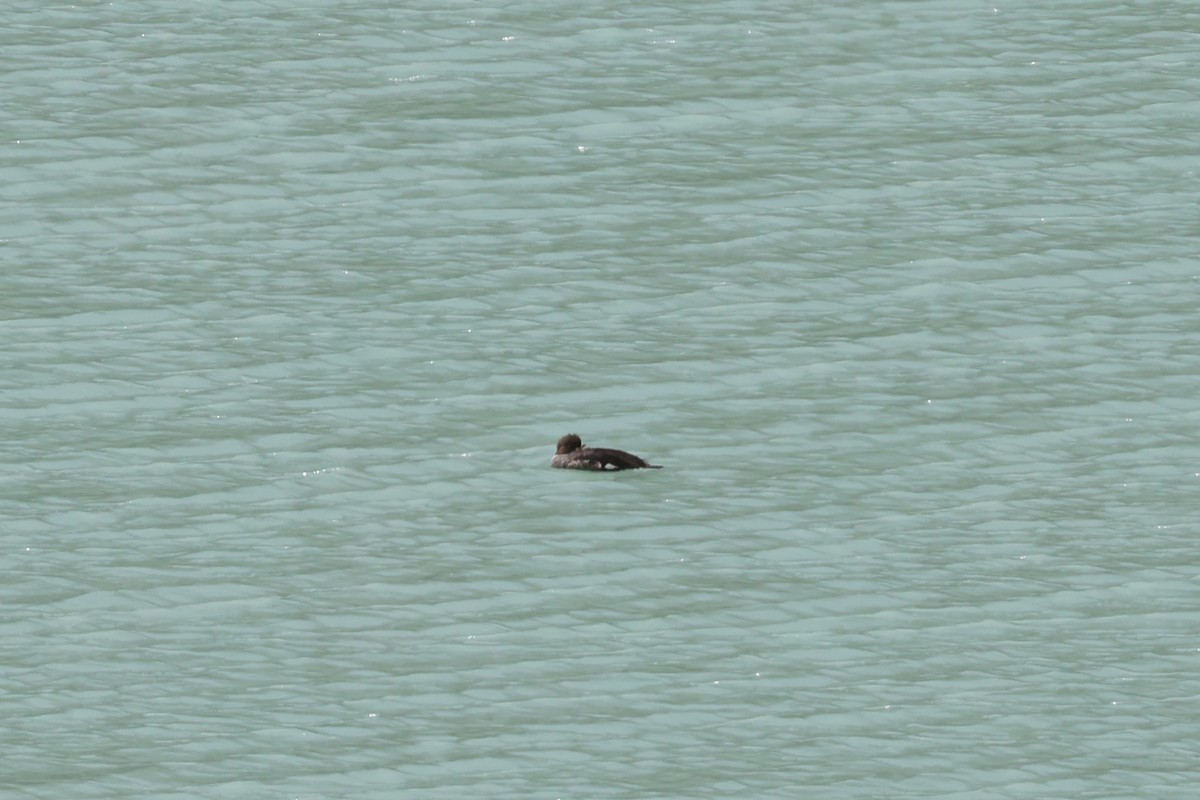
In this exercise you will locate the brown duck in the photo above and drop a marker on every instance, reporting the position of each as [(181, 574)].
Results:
[(571, 454)]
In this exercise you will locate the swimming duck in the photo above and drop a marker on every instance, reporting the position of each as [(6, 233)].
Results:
[(571, 454)]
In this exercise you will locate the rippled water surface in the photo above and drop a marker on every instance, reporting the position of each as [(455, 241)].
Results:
[(296, 298)]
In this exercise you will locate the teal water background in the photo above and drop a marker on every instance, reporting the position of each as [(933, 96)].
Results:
[(295, 299)]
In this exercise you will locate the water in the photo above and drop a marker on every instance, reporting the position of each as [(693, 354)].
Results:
[(296, 299)]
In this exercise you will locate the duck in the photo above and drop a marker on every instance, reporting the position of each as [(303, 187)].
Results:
[(573, 454)]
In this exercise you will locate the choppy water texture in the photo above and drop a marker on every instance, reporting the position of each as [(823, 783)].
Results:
[(297, 297)]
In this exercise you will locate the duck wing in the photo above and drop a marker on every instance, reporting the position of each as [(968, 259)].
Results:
[(604, 458)]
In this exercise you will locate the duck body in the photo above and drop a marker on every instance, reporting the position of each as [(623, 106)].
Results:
[(572, 454)]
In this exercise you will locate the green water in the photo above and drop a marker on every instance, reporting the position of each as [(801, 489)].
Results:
[(295, 300)]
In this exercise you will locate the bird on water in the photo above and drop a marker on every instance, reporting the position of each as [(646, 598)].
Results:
[(572, 454)]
